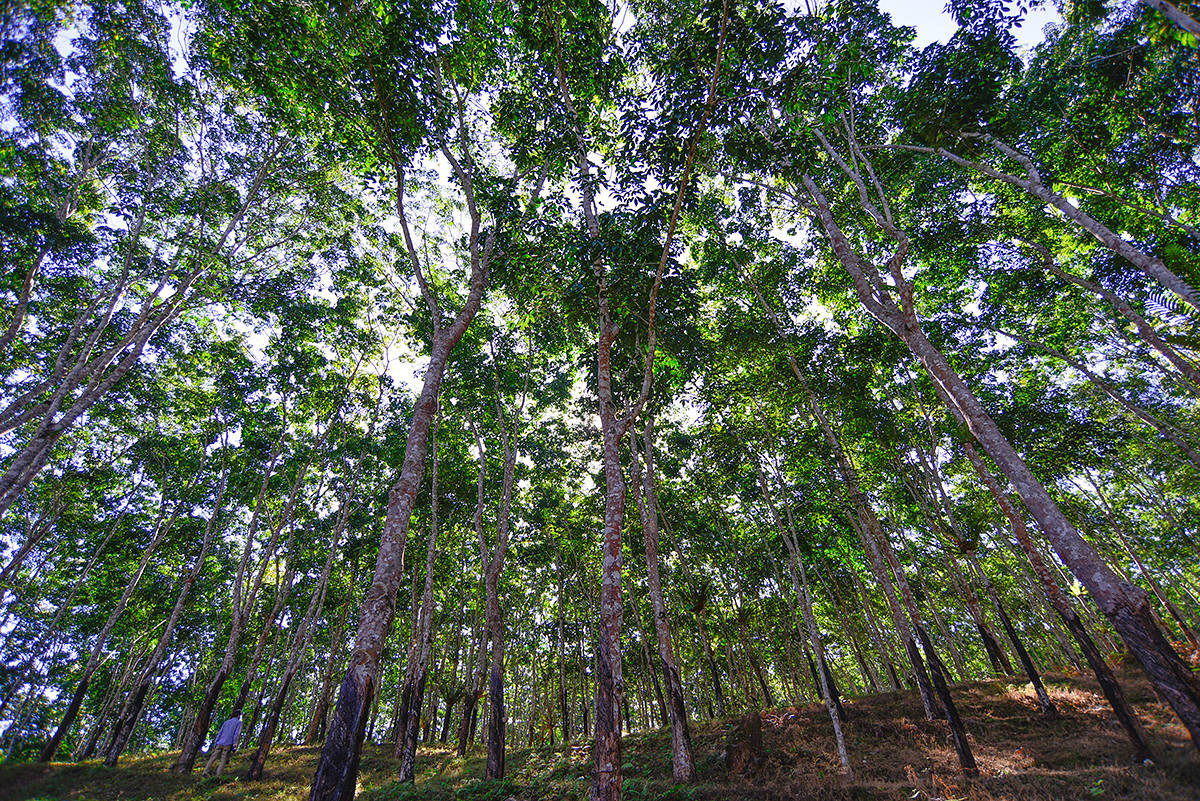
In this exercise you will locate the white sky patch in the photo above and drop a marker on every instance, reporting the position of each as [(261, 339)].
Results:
[(934, 23)]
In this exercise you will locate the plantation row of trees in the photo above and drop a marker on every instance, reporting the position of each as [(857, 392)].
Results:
[(527, 373)]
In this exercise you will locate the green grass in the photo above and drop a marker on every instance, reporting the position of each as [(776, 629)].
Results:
[(897, 756)]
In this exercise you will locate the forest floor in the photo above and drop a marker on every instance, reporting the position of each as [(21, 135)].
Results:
[(897, 756)]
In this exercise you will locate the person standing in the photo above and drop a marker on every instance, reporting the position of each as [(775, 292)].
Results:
[(226, 742)]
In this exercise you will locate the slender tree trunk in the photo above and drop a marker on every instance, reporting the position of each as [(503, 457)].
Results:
[(1126, 606), (87, 747), (133, 712), (238, 613), (937, 670), (1044, 703), (610, 688), (564, 708), (299, 646), (37, 532), (283, 591), (99, 373), (1048, 615), (875, 559), (951, 644), (413, 689), (1033, 183), (885, 655), (682, 764), (1168, 432), (1175, 15), (824, 680), (711, 661), (828, 689), (337, 770), (1104, 675), (417, 673), (51, 747), (472, 695)]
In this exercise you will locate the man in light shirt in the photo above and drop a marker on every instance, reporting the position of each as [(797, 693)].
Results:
[(226, 741)]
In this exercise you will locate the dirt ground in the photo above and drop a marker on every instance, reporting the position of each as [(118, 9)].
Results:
[(897, 756)]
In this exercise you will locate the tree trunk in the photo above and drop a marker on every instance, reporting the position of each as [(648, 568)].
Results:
[(564, 707), (413, 692), (1104, 675), (937, 669), (828, 689), (881, 648), (610, 684), (1125, 605), (238, 613), (51, 747), (39, 645), (711, 661), (133, 712), (473, 693), (682, 764), (1044, 703), (824, 680)]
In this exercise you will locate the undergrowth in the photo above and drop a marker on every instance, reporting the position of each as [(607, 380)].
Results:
[(897, 756)]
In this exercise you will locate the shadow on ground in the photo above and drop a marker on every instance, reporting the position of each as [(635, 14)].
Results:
[(897, 756)]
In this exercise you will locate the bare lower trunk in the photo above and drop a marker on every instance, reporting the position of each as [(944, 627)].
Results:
[(417, 672), (874, 551), (873, 628), (958, 733), (51, 747), (337, 770), (937, 670), (1104, 675), (711, 661), (472, 695), (682, 765), (610, 684), (824, 680), (1044, 703), (564, 707), (829, 691), (470, 702), (1126, 606)]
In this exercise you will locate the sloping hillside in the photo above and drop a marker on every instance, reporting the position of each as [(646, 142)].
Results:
[(897, 756)]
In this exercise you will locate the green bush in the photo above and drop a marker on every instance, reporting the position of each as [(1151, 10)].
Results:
[(489, 790), (407, 791), (638, 790)]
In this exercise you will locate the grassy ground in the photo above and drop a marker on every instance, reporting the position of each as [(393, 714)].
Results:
[(897, 756)]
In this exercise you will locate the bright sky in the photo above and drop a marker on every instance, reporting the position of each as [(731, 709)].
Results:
[(934, 23)]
